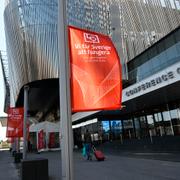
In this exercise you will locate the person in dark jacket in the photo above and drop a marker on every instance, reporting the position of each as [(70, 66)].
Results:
[(87, 141)]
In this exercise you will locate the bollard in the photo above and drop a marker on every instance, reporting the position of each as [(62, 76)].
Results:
[(17, 157), (34, 169)]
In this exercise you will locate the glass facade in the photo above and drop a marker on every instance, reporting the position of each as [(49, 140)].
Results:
[(128, 130), (161, 55), (159, 125), (161, 122), (175, 118), (151, 125), (166, 122)]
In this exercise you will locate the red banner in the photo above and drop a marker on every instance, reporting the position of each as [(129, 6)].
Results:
[(51, 140), (95, 71), (41, 139), (15, 122), (10, 140)]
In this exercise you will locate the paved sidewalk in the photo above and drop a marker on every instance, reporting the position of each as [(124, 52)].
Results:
[(114, 168), (122, 166), (8, 170), (116, 149)]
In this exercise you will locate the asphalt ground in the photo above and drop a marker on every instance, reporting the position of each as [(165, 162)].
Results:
[(8, 170), (117, 166)]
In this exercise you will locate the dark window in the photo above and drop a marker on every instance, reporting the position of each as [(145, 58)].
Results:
[(177, 35), (150, 121), (167, 123), (169, 41)]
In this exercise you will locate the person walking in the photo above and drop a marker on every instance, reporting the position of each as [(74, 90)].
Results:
[(87, 142)]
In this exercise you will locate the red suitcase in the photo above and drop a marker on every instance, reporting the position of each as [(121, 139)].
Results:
[(98, 154)]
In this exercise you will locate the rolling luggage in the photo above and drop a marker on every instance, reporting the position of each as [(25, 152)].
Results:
[(98, 154)]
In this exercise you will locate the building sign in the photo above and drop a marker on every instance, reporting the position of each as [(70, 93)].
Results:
[(15, 122), (95, 71), (158, 80)]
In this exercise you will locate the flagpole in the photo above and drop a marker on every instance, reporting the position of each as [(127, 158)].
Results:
[(65, 104)]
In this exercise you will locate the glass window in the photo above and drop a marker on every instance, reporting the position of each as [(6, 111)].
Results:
[(143, 58), (150, 121), (152, 52), (144, 127), (106, 127), (144, 70), (128, 124), (169, 41), (105, 133), (178, 49), (137, 128), (171, 55), (128, 129), (132, 76), (116, 128), (177, 35), (159, 124), (167, 123), (166, 116), (160, 47), (175, 121)]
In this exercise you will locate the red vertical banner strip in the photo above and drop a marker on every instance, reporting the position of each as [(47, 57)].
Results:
[(96, 82), (51, 140), (40, 139), (15, 122)]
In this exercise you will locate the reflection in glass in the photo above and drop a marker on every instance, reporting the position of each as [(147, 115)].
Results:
[(175, 121), (150, 121), (105, 130), (167, 123), (158, 57), (128, 129), (116, 128), (137, 127), (106, 127), (144, 128), (159, 124)]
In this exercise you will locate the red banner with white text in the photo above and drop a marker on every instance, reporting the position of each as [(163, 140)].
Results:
[(15, 122), (95, 71), (51, 140)]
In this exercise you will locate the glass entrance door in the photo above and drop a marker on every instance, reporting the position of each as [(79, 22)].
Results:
[(116, 129), (128, 129)]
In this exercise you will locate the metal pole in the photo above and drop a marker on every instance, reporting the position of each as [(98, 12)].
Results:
[(65, 104), (17, 145), (150, 134), (25, 121), (170, 119)]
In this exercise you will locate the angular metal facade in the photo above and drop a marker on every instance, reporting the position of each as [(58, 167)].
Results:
[(31, 35), (31, 31), (5, 72)]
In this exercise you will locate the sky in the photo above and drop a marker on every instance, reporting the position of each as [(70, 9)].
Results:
[(2, 48)]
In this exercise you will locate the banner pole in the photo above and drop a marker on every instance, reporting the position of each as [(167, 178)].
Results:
[(64, 95), (25, 121)]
